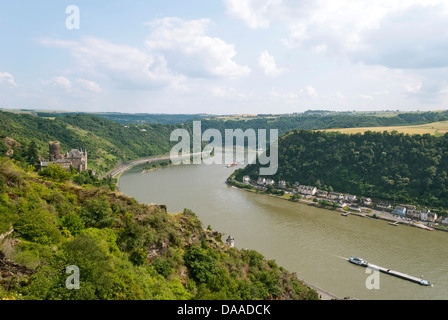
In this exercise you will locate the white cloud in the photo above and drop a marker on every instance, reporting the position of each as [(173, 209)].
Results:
[(366, 97), (292, 97), (397, 34), (126, 66), (188, 50), (229, 93), (340, 96), (6, 77), (88, 85), (255, 13), (268, 65), (59, 82), (288, 97), (309, 92)]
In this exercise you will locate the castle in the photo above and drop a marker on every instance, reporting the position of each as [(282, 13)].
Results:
[(75, 158)]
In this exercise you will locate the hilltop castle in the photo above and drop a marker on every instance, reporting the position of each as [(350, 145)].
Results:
[(75, 158)]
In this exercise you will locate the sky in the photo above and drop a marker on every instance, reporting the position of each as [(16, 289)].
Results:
[(224, 56)]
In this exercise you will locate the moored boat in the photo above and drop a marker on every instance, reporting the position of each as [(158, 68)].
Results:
[(358, 261)]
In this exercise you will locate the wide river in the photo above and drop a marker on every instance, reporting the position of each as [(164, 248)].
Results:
[(310, 241)]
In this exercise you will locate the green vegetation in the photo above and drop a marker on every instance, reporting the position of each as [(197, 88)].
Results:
[(113, 138), (390, 166), (124, 249), (108, 143), (157, 165)]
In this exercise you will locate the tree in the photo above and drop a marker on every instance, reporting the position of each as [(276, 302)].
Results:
[(97, 213), (56, 172)]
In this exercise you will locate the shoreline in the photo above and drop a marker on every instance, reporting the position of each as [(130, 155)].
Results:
[(116, 172), (379, 215)]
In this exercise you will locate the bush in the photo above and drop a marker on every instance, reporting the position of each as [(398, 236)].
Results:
[(200, 263), (56, 173), (37, 226), (97, 213), (73, 223)]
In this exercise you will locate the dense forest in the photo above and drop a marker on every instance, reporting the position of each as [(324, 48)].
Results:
[(123, 249), (389, 166)]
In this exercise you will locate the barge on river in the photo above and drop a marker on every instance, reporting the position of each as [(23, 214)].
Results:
[(364, 263)]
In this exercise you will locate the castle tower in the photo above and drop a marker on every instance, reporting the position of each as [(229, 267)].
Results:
[(55, 150), (230, 241)]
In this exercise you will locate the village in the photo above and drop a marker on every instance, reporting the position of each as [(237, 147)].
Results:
[(402, 213)]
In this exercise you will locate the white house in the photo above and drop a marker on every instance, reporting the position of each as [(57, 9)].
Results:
[(424, 215), (322, 193), (366, 201), (246, 179), (413, 213), (261, 181), (445, 220), (350, 198), (282, 184), (306, 190), (400, 210), (335, 196)]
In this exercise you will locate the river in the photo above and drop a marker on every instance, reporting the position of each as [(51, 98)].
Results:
[(310, 241)]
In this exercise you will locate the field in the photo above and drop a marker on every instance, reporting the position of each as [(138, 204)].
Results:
[(435, 128)]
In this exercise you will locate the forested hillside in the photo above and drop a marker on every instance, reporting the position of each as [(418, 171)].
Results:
[(123, 249), (389, 166), (107, 142)]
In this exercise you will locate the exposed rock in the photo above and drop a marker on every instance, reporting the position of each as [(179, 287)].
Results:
[(11, 272)]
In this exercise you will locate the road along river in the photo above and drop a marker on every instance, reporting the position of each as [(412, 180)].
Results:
[(311, 241)]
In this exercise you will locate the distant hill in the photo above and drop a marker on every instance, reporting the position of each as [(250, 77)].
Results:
[(113, 138), (124, 118), (323, 120)]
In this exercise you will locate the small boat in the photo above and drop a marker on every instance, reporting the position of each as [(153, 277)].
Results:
[(426, 283), (345, 214), (358, 261), (395, 224)]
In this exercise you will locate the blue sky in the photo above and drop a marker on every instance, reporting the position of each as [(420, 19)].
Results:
[(225, 56)]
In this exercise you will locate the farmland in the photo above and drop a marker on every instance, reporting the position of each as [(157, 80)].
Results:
[(435, 128)]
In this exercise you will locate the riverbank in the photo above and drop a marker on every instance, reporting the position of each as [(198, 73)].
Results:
[(365, 212), (116, 172)]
